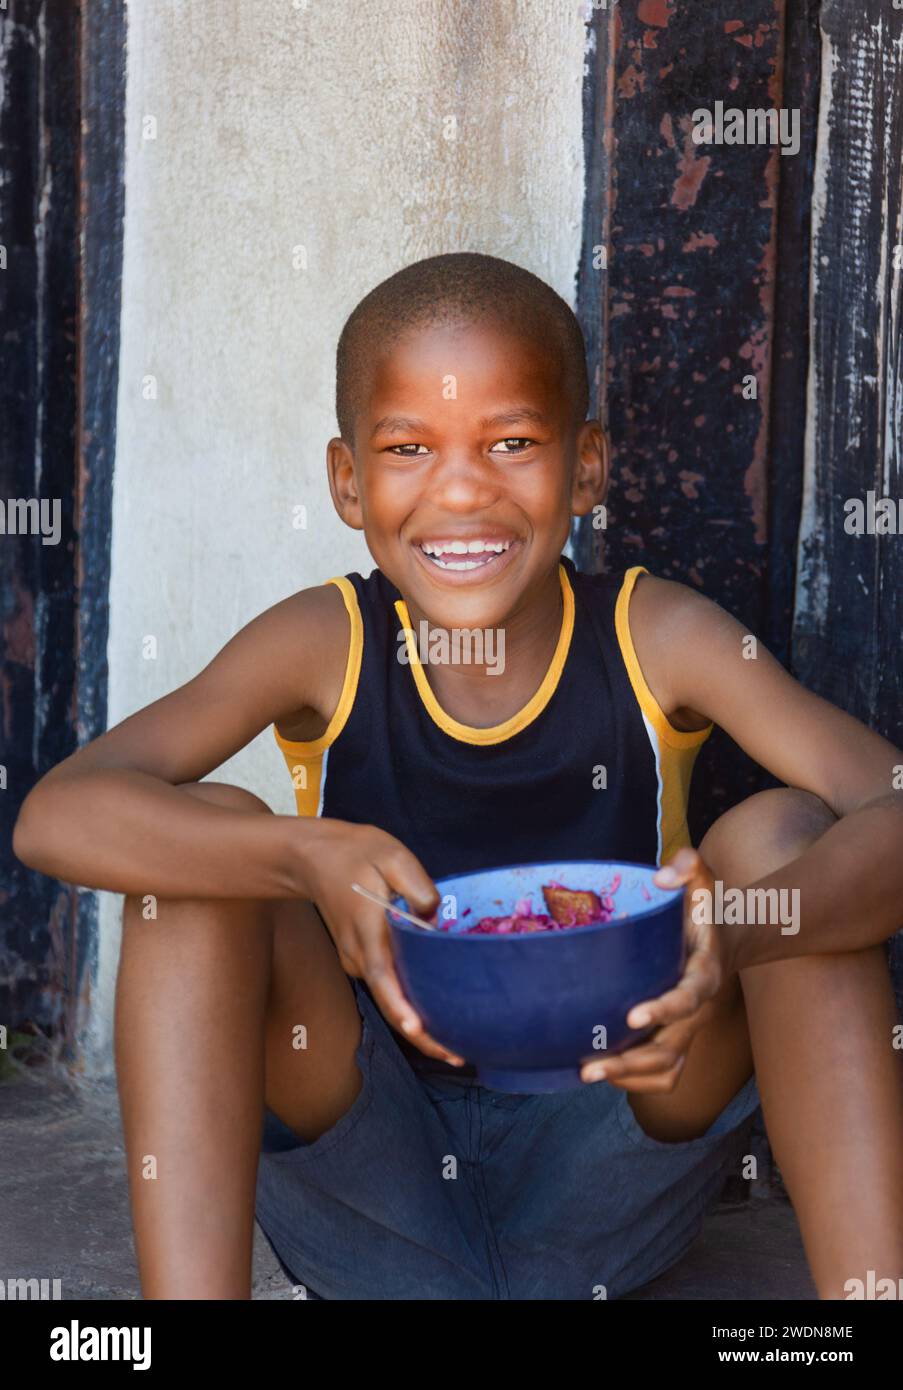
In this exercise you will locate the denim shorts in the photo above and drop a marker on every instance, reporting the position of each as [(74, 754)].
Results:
[(433, 1187)]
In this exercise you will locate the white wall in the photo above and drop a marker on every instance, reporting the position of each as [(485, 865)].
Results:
[(279, 124)]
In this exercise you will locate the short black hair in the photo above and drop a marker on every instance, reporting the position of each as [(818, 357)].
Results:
[(463, 286)]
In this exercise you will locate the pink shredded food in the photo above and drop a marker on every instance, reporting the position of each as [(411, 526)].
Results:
[(565, 907)]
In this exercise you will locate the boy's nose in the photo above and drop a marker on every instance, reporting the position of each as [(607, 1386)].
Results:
[(463, 481)]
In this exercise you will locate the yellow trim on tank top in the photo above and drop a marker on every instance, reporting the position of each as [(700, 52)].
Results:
[(496, 733), (677, 748), (305, 759)]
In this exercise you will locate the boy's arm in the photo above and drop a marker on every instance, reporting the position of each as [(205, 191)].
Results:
[(851, 880), (110, 816)]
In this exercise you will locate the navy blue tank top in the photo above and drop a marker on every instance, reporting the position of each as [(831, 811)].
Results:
[(589, 768)]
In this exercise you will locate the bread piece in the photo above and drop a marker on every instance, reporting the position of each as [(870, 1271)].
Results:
[(571, 907)]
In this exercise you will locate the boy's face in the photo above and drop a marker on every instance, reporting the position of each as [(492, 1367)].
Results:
[(467, 437)]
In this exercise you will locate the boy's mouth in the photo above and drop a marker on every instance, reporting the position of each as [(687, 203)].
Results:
[(459, 557)]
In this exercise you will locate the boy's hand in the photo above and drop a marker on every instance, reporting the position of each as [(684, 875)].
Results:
[(339, 853), (655, 1065)]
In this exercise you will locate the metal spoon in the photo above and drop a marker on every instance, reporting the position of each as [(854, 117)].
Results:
[(398, 911)]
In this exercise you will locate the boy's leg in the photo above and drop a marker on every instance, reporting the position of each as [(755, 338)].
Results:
[(819, 1029), (208, 997)]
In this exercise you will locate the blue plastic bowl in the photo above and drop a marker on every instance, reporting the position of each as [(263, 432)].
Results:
[(528, 1009)]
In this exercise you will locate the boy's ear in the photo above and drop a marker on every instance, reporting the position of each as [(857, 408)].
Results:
[(591, 471), (343, 484)]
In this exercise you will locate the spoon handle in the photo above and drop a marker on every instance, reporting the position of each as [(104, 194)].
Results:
[(390, 907)]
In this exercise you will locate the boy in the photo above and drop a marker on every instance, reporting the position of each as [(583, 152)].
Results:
[(463, 454)]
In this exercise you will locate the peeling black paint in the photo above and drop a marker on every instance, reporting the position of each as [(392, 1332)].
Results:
[(38, 215), (687, 314), (849, 613), (671, 409), (61, 141), (102, 189), (592, 278), (790, 363)]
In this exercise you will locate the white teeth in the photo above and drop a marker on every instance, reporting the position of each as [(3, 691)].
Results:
[(436, 548)]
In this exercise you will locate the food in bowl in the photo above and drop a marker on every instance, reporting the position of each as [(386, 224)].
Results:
[(526, 1007), (565, 907)]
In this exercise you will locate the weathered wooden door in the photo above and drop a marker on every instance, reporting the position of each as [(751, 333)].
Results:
[(743, 302), (61, 141)]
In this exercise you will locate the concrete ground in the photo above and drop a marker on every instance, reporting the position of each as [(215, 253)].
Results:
[(64, 1210)]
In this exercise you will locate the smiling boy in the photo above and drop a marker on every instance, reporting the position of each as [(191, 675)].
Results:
[(266, 988)]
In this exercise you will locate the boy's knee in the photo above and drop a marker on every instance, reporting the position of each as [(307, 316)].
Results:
[(765, 832), (792, 819)]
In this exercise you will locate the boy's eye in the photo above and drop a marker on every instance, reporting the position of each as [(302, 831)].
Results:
[(513, 446), (407, 451)]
